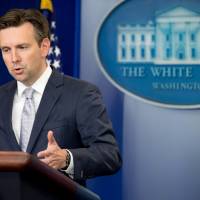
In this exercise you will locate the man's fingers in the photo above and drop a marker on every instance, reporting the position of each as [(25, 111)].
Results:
[(50, 162), (51, 139), (53, 156), (53, 164), (45, 160), (43, 154)]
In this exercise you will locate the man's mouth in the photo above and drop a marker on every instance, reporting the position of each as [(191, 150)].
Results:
[(18, 70)]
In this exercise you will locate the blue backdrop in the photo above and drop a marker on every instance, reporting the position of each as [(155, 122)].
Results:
[(160, 148)]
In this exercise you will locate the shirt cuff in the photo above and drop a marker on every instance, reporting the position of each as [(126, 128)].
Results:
[(70, 169)]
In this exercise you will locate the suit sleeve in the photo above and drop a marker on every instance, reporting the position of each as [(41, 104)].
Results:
[(100, 154)]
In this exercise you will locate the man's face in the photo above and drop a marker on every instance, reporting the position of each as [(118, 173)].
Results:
[(23, 56)]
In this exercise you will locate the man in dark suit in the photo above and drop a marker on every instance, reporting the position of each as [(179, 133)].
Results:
[(71, 131)]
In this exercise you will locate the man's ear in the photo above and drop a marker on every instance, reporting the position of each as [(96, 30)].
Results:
[(45, 46)]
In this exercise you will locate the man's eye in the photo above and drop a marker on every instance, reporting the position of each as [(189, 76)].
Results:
[(23, 47), (5, 50)]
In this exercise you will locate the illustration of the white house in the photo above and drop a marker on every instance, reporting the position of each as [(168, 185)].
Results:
[(173, 37)]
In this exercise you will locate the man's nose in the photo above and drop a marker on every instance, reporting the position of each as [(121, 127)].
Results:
[(15, 56)]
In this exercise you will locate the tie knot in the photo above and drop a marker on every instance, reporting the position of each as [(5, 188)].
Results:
[(28, 93)]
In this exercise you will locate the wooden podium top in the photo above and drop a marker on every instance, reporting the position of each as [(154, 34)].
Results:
[(11, 161), (17, 161)]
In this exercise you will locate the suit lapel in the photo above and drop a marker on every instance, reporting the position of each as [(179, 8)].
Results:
[(51, 95), (8, 116)]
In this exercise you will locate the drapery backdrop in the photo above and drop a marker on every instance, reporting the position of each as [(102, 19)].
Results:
[(160, 146)]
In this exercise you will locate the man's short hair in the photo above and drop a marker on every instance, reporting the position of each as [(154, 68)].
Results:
[(17, 17)]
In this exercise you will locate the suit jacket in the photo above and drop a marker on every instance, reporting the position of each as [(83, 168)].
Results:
[(74, 111)]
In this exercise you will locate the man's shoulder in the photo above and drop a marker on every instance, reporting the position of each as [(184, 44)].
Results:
[(77, 83), (73, 84), (7, 86)]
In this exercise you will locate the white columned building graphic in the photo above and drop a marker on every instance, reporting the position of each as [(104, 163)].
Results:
[(173, 37)]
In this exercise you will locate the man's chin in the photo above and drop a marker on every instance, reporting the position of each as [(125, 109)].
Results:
[(20, 79)]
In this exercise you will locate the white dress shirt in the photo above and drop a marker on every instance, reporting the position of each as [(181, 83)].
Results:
[(18, 104)]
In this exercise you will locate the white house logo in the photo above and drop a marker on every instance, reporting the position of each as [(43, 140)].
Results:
[(154, 54), (172, 39)]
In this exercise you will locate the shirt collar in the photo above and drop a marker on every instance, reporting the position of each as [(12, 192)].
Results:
[(39, 85)]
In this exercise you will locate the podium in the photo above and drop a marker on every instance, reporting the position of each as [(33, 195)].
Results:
[(24, 177)]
